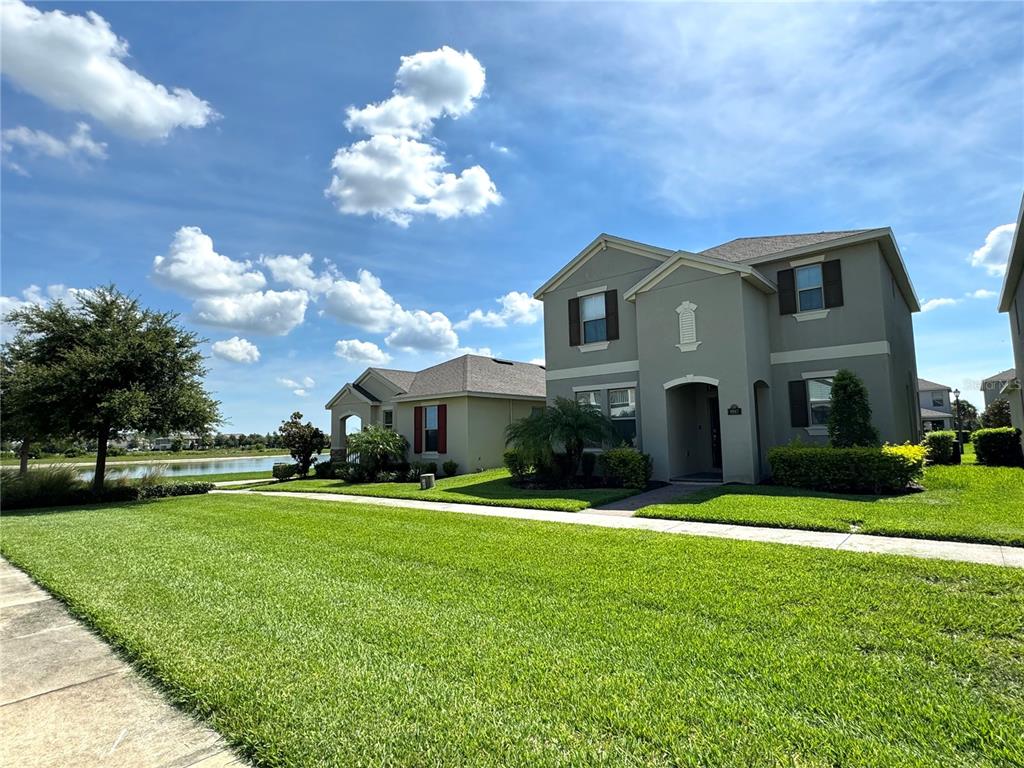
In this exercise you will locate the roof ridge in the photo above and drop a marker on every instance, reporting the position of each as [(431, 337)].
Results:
[(794, 234)]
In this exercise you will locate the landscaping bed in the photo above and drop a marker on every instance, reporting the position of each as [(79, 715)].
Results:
[(342, 634), (961, 503), (493, 487)]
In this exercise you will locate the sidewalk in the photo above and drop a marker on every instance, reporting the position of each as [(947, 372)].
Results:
[(989, 554), (67, 699)]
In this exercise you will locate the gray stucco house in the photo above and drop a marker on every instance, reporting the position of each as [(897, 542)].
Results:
[(999, 386), (936, 405), (709, 359), (454, 411), (1011, 301)]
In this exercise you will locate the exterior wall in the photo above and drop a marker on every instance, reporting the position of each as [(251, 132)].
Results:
[(993, 390), (457, 429), (488, 417), (1016, 397), (925, 400), (348, 405)]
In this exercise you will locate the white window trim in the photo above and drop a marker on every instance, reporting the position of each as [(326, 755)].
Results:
[(601, 369), (811, 314), (808, 261), (818, 374), (818, 430), (595, 346), (617, 385), (591, 291)]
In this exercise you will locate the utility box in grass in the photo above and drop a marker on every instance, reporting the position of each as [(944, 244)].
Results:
[(426, 482)]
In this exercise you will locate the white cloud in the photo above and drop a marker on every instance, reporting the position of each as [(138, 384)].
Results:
[(357, 351), (237, 350), (481, 351), (36, 296), (363, 303), (76, 63), (395, 175), (982, 293), (994, 254), (931, 304), (78, 148), (297, 271), (194, 268), (422, 331), (299, 388), (538, 361), (270, 312), (500, 149), (517, 308)]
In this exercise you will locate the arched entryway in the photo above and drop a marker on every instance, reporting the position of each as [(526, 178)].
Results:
[(694, 428), (347, 424)]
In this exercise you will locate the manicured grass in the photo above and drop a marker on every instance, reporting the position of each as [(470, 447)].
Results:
[(255, 475), (961, 503), (338, 635), (492, 487)]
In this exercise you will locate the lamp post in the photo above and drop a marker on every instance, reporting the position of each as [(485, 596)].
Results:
[(956, 419)]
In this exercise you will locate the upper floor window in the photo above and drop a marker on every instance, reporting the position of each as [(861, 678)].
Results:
[(810, 288), (388, 419), (937, 401), (430, 428), (819, 399), (593, 313)]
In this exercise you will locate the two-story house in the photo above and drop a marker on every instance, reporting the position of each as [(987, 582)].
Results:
[(1011, 301), (936, 405), (709, 359), (998, 386)]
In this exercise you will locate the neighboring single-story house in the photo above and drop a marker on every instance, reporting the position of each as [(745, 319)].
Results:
[(454, 411), (1011, 301), (936, 406), (712, 358)]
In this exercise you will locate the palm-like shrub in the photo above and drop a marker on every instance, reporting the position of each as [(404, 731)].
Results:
[(567, 425), (377, 448)]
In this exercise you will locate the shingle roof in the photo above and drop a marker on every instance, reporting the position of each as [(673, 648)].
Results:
[(1006, 375), (747, 248), (928, 413), (401, 379), (473, 373), (923, 385)]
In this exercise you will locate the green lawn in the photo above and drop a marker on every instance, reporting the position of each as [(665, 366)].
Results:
[(339, 635), (212, 453), (256, 475), (965, 503), (492, 487)]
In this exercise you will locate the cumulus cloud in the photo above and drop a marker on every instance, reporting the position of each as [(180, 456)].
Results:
[(993, 255), (78, 148), (297, 271), (357, 351), (537, 361), (300, 388), (422, 331), (76, 63), (237, 350), (272, 312), (34, 295), (517, 308), (397, 173), (933, 304), (982, 293), (194, 268)]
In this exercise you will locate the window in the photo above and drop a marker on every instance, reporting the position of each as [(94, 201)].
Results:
[(389, 419), (430, 428), (622, 409), (809, 288), (819, 397), (591, 397), (937, 401), (593, 314)]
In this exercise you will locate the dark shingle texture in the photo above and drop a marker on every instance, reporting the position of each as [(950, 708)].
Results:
[(747, 248), (923, 385), (473, 373)]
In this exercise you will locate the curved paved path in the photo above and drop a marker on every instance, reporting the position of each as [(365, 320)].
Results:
[(989, 554)]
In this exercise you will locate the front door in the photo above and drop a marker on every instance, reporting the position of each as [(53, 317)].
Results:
[(716, 433)]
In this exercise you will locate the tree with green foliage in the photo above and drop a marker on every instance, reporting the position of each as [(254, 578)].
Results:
[(849, 421), (565, 424), (378, 448), (997, 414), (965, 416), (303, 441), (106, 365), (27, 415)]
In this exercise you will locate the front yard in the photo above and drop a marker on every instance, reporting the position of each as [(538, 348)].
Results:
[(330, 634), (964, 503), (492, 487)]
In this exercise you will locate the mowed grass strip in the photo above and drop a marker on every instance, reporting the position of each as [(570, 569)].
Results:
[(962, 503), (329, 634), (492, 487)]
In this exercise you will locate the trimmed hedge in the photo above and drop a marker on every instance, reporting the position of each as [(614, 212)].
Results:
[(626, 467), (285, 471), (889, 469), (163, 490), (324, 470), (516, 465), (942, 447), (80, 494), (451, 468), (998, 447)]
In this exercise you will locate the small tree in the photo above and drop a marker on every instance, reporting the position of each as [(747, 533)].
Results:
[(567, 424), (303, 441), (997, 414), (27, 415), (849, 422), (965, 415), (377, 448)]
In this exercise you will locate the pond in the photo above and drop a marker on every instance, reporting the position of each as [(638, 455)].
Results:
[(194, 466)]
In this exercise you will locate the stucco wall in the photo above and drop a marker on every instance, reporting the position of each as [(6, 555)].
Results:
[(488, 418)]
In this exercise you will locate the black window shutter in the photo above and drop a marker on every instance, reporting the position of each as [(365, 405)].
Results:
[(832, 281), (574, 322), (798, 403), (787, 292), (611, 314)]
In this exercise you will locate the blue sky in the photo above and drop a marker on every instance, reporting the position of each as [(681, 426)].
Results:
[(505, 140)]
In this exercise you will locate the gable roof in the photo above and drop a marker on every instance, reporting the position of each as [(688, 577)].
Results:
[(1009, 373), (474, 374), (930, 413), (706, 263), (1014, 266), (744, 248), (597, 245), (923, 385), (401, 379)]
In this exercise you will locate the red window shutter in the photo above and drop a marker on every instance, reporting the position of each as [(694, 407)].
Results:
[(442, 429), (417, 429)]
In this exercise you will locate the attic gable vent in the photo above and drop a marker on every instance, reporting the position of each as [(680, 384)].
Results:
[(687, 312)]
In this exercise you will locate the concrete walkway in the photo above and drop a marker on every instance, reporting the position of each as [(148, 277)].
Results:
[(66, 699), (989, 554)]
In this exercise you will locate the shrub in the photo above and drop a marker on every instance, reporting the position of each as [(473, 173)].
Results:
[(889, 469), (163, 490), (849, 421), (285, 471), (387, 476), (378, 448), (114, 450), (303, 441), (627, 467), (998, 447), (997, 414), (587, 464), (430, 468), (71, 453), (516, 464), (451, 468), (324, 470), (41, 487), (352, 472), (942, 447)]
